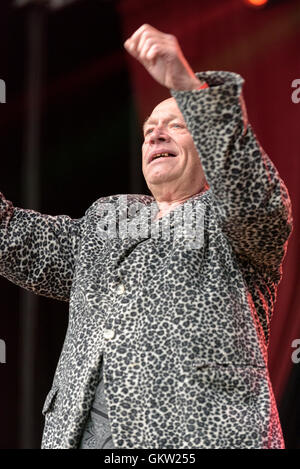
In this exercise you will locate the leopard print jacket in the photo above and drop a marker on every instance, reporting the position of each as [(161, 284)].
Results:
[(182, 328)]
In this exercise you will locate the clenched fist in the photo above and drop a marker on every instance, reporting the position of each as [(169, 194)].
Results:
[(161, 55)]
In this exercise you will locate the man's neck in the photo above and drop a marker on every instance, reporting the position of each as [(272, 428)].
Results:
[(168, 202)]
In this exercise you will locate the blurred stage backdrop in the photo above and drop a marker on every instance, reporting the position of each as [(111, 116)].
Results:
[(70, 133)]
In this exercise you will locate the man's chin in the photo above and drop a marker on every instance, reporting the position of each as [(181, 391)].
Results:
[(159, 180), (161, 177)]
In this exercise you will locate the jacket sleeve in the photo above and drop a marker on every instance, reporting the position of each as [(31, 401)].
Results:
[(38, 252), (250, 200)]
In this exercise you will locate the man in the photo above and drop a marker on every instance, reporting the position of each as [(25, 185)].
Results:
[(167, 337)]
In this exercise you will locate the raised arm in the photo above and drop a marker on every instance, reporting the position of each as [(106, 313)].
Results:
[(250, 201)]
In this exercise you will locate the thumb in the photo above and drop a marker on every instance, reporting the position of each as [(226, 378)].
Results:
[(129, 46)]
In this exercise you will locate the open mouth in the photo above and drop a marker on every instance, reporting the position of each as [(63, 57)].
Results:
[(162, 155)]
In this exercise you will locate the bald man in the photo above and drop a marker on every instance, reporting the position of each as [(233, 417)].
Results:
[(170, 296)]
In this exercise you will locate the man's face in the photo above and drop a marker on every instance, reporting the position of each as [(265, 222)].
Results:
[(166, 134)]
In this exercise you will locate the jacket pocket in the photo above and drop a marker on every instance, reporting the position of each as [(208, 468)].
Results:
[(235, 382), (49, 401)]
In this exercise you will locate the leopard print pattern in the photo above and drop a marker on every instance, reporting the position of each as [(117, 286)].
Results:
[(183, 332)]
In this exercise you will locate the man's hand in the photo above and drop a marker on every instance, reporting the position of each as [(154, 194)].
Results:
[(161, 55)]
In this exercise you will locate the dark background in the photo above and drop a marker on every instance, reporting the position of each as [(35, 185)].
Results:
[(93, 99)]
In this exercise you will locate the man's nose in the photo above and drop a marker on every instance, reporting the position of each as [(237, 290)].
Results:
[(159, 135)]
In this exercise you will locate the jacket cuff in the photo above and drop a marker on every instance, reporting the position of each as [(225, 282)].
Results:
[(216, 80)]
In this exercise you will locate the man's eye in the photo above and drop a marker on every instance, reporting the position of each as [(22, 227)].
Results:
[(180, 126), (148, 131)]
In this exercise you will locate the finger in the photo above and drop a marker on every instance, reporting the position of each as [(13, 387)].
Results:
[(152, 53), (135, 44), (139, 47), (141, 35), (131, 48), (164, 41), (142, 29), (144, 47), (168, 40), (145, 38), (135, 37)]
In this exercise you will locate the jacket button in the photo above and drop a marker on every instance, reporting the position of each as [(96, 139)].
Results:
[(108, 334), (120, 289)]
